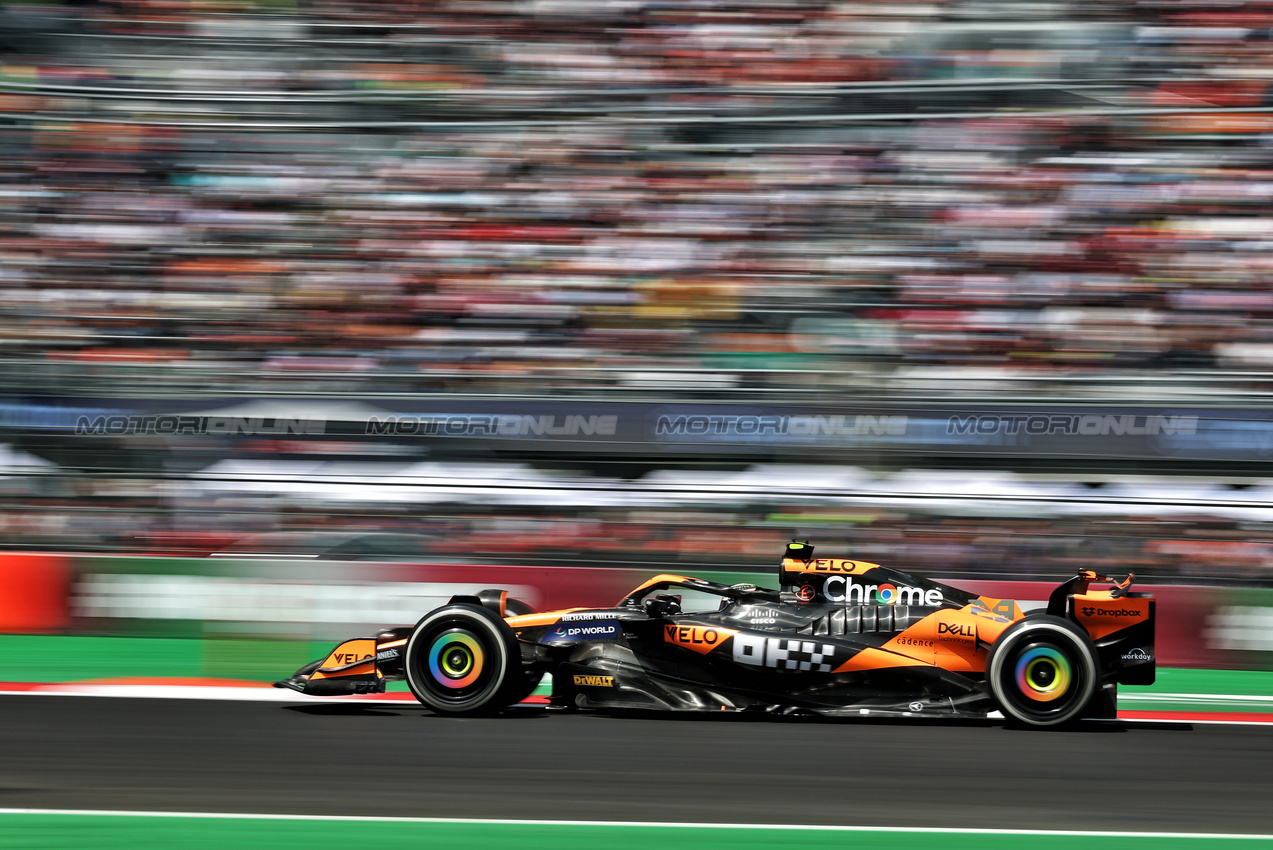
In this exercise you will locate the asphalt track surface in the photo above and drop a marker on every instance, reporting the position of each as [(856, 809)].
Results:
[(398, 760)]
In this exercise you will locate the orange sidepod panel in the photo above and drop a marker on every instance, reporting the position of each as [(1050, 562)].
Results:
[(957, 640), (876, 659), (947, 638)]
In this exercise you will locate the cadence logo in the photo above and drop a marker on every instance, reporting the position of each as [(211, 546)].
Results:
[(844, 589)]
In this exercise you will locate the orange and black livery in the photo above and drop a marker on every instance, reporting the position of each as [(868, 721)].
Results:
[(837, 637)]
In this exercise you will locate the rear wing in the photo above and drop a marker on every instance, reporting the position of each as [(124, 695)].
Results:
[(1119, 622)]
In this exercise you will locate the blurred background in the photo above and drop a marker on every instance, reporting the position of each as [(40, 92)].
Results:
[(294, 291)]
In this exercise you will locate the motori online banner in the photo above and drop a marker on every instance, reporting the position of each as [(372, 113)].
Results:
[(635, 428)]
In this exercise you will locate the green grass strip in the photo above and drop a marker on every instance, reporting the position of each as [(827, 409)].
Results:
[(37, 831), (1181, 680), (77, 658)]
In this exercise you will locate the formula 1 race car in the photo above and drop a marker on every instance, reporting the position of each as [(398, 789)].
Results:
[(839, 638)]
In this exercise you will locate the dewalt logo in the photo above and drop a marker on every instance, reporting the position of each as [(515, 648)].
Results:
[(595, 681)]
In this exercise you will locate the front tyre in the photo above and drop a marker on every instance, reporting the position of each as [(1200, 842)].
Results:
[(1042, 671), (463, 660)]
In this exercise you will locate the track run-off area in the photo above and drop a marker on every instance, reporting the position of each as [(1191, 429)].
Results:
[(1188, 767)]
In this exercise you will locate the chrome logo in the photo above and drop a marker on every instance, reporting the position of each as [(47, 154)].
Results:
[(456, 659), (845, 589), (1043, 674), (886, 594)]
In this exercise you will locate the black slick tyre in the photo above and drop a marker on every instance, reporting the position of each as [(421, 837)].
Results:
[(1042, 671), (463, 660)]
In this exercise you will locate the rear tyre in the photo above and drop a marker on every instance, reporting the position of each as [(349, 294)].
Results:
[(1042, 671), (463, 660)]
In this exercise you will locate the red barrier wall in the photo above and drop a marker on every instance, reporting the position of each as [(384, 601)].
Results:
[(34, 589), (558, 587)]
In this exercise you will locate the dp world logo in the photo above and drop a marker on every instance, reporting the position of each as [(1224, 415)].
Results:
[(598, 630)]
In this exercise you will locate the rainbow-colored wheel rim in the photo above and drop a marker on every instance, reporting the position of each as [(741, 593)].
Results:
[(456, 659), (463, 660), (1043, 671), (1043, 674)]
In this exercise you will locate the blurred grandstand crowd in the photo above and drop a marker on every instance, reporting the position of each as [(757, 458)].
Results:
[(971, 525), (427, 255), (681, 197)]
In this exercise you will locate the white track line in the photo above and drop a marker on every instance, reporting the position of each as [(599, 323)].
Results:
[(1193, 698)]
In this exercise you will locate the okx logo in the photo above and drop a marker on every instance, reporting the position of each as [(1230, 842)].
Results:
[(783, 653)]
